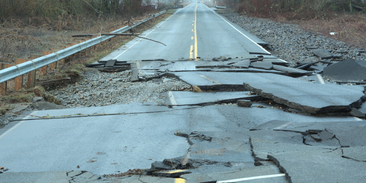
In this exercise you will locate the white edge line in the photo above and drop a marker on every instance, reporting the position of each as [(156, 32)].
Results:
[(357, 119), (321, 80), (239, 31), (282, 126), (15, 126), (252, 178), (171, 98), (155, 27), (11, 129)]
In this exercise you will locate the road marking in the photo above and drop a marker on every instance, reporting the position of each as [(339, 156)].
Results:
[(239, 31), (357, 119), (192, 38), (185, 161), (160, 24), (11, 129), (321, 80), (191, 53), (171, 98), (195, 32), (180, 180), (210, 79), (282, 126), (252, 178), (175, 171)]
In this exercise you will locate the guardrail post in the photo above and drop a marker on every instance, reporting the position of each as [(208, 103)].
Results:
[(4, 85), (32, 76), (19, 79)]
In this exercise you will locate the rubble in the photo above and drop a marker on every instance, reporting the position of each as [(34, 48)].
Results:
[(244, 103)]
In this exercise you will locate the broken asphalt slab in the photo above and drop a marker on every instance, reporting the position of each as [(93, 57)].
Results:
[(56, 177), (242, 173), (262, 65), (304, 163), (348, 70), (292, 71), (294, 93), (134, 108), (307, 97), (178, 98), (218, 79), (314, 164), (322, 53), (64, 143)]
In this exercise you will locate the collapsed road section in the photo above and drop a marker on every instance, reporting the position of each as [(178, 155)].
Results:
[(226, 118)]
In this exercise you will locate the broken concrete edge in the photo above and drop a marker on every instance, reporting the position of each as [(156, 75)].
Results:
[(193, 136), (182, 163), (244, 103), (50, 176), (308, 109), (257, 159), (236, 100), (79, 115), (185, 136), (281, 168), (171, 174), (350, 158)]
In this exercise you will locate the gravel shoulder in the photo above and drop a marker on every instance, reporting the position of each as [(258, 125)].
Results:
[(103, 88), (289, 41)]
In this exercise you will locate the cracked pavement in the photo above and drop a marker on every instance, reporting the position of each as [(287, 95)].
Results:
[(293, 131)]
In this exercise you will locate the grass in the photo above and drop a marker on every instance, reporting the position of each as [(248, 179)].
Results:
[(349, 28), (321, 17)]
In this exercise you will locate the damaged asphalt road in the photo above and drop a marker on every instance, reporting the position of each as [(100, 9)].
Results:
[(249, 117)]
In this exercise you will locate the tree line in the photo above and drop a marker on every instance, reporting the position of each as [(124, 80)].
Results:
[(55, 8), (313, 7)]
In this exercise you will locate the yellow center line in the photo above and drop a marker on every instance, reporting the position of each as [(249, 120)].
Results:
[(195, 32), (210, 79), (180, 180), (176, 171)]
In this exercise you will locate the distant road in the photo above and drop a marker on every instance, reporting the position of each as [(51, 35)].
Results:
[(194, 31)]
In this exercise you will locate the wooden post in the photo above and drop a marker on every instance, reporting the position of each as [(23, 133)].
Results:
[(51, 66), (45, 68), (19, 79), (3, 86), (76, 55), (32, 76)]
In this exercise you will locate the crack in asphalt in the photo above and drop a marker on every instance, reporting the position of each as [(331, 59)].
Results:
[(282, 169), (79, 115)]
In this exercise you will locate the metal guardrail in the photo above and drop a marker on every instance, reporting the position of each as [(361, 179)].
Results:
[(26, 67)]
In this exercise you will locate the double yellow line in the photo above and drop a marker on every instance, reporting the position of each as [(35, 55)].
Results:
[(195, 37)]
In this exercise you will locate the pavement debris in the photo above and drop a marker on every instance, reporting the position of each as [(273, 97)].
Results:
[(348, 70), (306, 96), (244, 103), (262, 65), (180, 98)]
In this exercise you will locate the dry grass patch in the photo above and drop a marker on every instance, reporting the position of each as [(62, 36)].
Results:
[(348, 28)]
